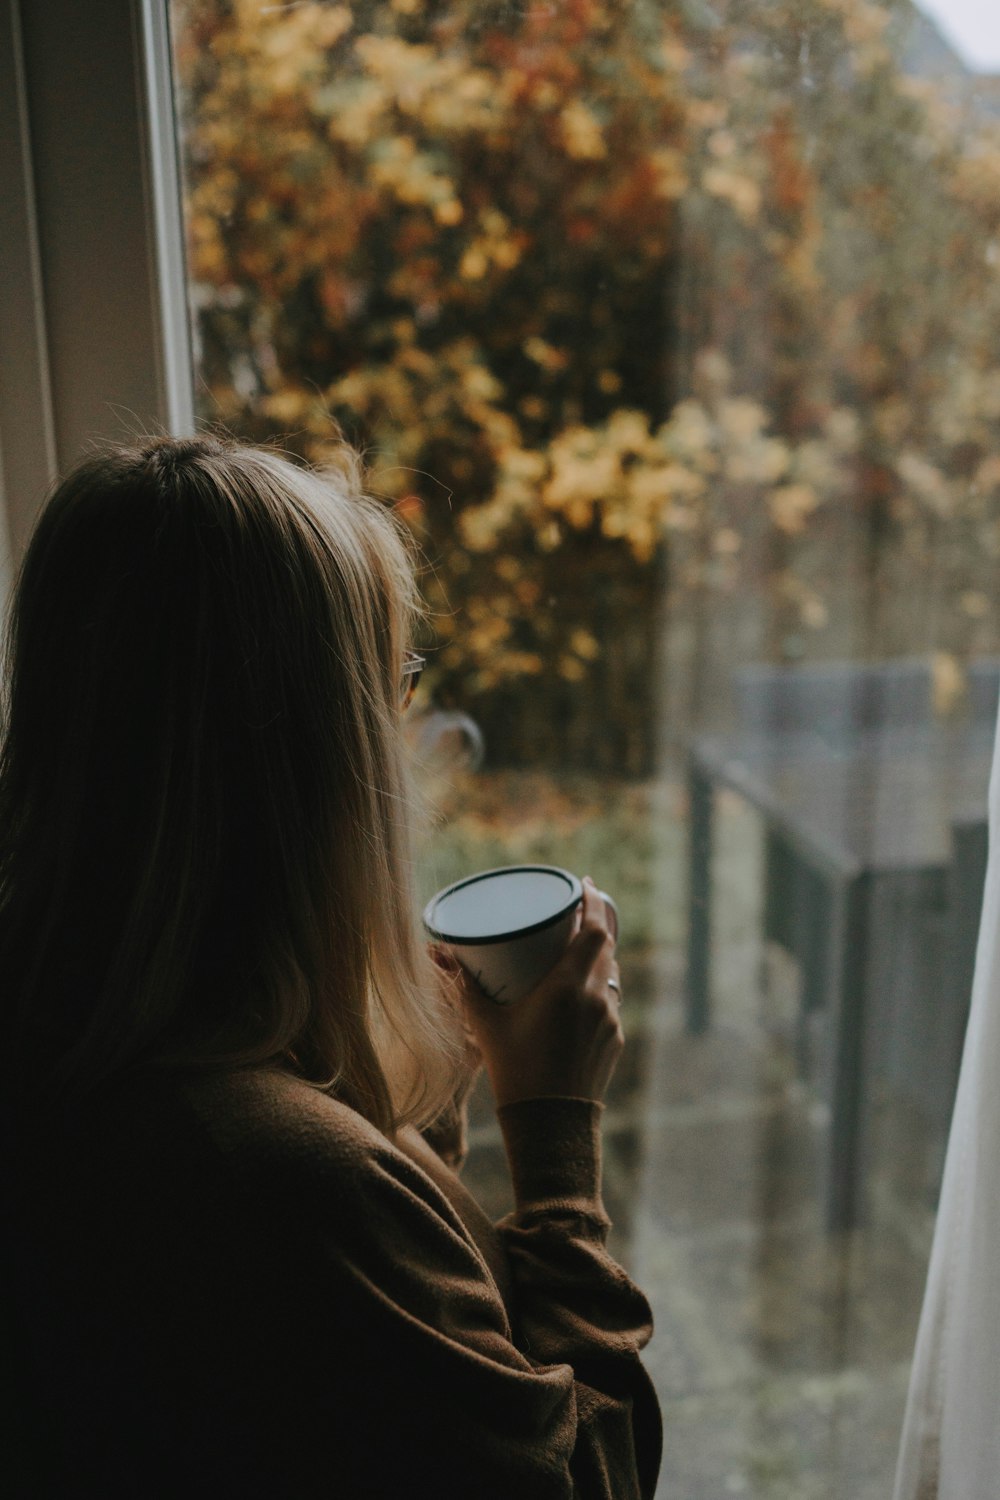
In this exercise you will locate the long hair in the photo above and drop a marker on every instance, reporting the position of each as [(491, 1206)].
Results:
[(204, 854)]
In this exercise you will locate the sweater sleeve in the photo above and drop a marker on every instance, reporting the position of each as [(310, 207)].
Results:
[(469, 1412), (573, 1304)]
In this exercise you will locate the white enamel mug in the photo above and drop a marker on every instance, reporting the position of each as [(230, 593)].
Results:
[(508, 927)]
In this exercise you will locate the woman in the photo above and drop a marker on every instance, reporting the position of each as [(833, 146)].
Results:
[(236, 1267)]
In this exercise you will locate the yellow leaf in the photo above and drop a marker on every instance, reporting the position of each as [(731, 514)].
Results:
[(449, 212), (974, 604), (585, 645), (581, 133), (571, 669), (791, 505), (737, 188), (947, 683)]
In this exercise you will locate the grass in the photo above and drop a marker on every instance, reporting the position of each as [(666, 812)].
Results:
[(627, 835)]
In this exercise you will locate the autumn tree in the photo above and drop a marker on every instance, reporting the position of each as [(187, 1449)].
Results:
[(630, 306)]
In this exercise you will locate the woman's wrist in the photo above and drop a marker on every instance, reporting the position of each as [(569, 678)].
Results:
[(553, 1146)]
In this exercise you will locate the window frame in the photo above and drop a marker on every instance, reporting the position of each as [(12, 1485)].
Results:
[(96, 341)]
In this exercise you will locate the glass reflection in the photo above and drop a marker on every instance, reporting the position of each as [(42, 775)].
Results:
[(671, 330)]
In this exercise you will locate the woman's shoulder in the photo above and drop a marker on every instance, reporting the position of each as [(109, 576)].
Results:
[(269, 1111), (240, 1132), (263, 1134), (251, 1156), (259, 1119)]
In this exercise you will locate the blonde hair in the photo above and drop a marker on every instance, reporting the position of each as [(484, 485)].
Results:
[(204, 848)]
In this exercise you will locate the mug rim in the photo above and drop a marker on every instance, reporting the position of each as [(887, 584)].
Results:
[(575, 884)]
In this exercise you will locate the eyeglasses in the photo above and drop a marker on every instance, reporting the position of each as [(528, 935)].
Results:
[(413, 666)]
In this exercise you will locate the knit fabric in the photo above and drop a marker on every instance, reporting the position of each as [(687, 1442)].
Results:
[(233, 1285)]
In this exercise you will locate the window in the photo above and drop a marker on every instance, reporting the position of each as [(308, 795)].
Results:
[(95, 338), (671, 330)]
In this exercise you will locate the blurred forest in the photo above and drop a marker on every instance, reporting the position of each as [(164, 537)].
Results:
[(646, 316)]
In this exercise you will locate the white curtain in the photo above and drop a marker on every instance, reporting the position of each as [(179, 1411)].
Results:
[(950, 1447)]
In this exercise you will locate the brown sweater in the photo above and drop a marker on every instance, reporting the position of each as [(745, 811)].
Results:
[(235, 1286)]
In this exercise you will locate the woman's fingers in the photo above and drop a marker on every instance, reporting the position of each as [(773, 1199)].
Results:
[(591, 946), (565, 1036)]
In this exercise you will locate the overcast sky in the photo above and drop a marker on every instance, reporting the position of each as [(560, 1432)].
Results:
[(972, 27)]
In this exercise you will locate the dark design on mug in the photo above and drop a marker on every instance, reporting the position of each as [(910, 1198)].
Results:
[(493, 995)]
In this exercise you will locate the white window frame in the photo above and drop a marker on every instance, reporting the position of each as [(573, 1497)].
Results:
[(94, 333)]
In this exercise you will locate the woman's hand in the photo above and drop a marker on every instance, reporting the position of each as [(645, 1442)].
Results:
[(565, 1037)]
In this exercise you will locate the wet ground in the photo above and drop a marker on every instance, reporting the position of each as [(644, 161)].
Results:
[(781, 1352)]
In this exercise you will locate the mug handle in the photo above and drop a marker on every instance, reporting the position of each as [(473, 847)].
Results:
[(611, 907), (612, 910)]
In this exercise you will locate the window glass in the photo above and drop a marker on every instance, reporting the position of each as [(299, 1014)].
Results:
[(671, 329)]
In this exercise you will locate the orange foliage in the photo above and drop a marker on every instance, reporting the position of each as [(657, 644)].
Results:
[(457, 229)]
